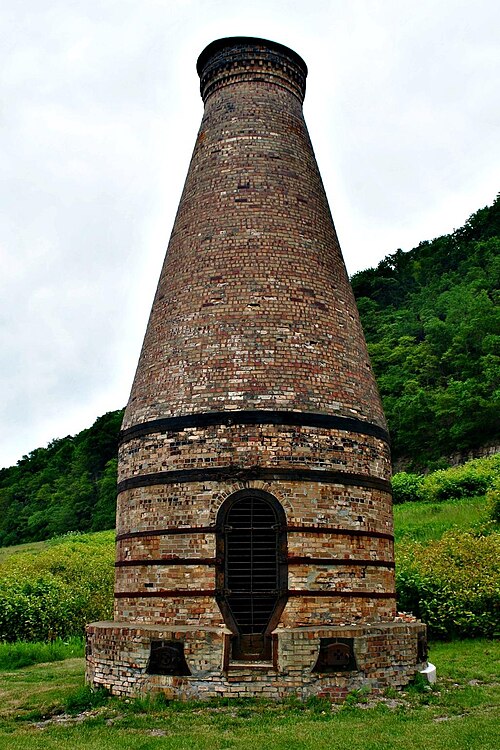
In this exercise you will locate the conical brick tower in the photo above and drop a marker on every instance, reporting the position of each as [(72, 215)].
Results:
[(254, 523)]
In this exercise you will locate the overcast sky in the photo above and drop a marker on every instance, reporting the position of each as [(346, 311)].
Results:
[(99, 112)]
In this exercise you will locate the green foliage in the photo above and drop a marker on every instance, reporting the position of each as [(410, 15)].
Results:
[(493, 500), (406, 488), (467, 480), (53, 593), (22, 653), (432, 324), (68, 486), (104, 515), (452, 583)]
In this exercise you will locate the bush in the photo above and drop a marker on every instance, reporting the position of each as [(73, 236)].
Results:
[(493, 498), (53, 593), (39, 609), (406, 488), (469, 479), (452, 584)]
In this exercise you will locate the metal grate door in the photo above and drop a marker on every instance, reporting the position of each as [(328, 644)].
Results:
[(251, 572)]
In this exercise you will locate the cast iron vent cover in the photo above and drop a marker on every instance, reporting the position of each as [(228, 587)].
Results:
[(336, 655), (167, 657)]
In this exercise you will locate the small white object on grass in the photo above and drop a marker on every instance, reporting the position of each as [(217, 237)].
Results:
[(429, 673)]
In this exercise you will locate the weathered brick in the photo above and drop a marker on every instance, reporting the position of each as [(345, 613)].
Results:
[(253, 313)]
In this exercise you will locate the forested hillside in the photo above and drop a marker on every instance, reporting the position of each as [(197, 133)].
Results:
[(433, 332), (432, 323), (68, 486)]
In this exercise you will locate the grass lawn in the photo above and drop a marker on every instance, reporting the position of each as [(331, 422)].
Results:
[(458, 715), (426, 522)]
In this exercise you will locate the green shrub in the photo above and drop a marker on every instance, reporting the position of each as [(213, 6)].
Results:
[(53, 593), (468, 480), (493, 500), (38, 609), (452, 584), (406, 488), (472, 478)]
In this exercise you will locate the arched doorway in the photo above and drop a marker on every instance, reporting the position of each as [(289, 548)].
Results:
[(252, 570)]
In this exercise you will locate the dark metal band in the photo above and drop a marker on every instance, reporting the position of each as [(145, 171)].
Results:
[(172, 593), (167, 561), (290, 561), (339, 561), (360, 594), (334, 530), (257, 416), (232, 473), (174, 530)]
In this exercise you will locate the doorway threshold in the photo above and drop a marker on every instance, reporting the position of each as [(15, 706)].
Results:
[(251, 665)]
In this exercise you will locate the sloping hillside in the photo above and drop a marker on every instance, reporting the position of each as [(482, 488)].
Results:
[(68, 486), (432, 323)]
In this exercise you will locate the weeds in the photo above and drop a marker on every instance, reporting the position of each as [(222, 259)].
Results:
[(85, 699), (467, 480), (22, 653), (54, 591), (452, 583)]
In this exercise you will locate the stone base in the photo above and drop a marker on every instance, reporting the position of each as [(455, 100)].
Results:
[(196, 664)]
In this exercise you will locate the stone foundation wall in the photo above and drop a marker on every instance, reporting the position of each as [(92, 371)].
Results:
[(385, 655)]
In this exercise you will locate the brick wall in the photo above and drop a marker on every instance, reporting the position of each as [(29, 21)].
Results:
[(254, 309)]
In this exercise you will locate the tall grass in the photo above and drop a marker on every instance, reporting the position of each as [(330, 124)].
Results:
[(22, 654), (427, 522)]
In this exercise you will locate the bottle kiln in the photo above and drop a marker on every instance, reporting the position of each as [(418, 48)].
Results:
[(254, 523)]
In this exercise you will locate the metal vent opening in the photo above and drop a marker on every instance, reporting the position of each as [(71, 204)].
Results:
[(167, 658), (336, 655)]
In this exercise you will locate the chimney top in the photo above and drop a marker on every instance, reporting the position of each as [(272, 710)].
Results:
[(239, 58)]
